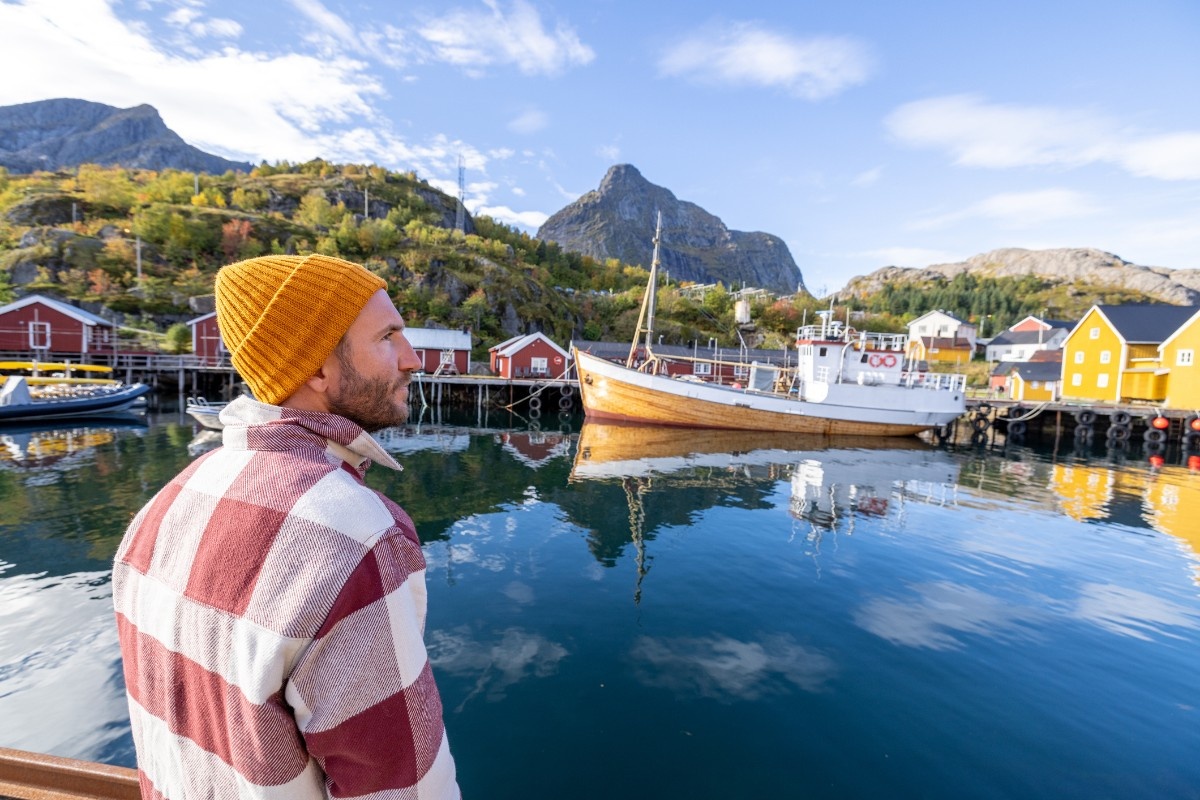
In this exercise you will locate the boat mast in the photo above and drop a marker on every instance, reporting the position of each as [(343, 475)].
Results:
[(647, 313)]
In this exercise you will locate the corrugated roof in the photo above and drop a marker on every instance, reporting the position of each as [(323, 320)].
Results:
[(517, 343), (1038, 371), (86, 317), (437, 339), (1022, 337), (1146, 323)]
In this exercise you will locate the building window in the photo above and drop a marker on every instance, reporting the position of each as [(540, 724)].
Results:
[(702, 369), (1185, 358), (1102, 381), (539, 366), (1076, 379), (1035, 384), (1105, 356), (447, 357), (1094, 333), (1078, 356), (821, 351), (741, 371)]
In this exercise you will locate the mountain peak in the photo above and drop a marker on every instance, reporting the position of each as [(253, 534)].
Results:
[(65, 132), (617, 221), (621, 177)]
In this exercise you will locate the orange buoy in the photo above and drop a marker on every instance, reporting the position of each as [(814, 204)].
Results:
[(1194, 463), (1157, 461), (1161, 423), (1195, 424)]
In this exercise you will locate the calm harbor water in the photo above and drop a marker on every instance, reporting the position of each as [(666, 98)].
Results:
[(637, 613)]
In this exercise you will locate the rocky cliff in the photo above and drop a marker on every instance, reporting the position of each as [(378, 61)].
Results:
[(617, 221), (1082, 266), (55, 134)]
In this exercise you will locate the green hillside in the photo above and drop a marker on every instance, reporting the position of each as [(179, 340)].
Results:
[(76, 236)]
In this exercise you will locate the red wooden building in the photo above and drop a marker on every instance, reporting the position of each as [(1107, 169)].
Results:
[(530, 356), (442, 352), (42, 326), (206, 340)]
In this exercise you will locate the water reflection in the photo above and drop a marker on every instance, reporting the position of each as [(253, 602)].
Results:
[(833, 481), (728, 669), (61, 445), (494, 663), (861, 597)]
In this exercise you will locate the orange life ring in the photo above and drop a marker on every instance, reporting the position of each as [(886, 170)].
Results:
[(889, 360), (875, 360)]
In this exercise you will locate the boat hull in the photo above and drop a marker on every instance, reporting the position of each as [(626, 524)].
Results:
[(209, 417), (613, 392)]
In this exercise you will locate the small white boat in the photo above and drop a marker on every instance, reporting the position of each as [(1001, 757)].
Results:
[(206, 413)]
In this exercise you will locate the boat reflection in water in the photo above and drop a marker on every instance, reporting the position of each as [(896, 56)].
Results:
[(58, 444), (833, 480)]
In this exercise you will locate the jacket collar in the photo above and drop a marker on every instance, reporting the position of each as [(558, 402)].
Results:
[(253, 425)]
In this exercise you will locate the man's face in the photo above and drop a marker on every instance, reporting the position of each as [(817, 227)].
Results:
[(372, 367)]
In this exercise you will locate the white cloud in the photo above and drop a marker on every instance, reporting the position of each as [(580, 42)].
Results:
[(530, 121), (474, 41), (868, 177), (1019, 210), (333, 34), (609, 152), (189, 19), (316, 106), (981, 134), (531, 220), (745, 54), (327, 21)]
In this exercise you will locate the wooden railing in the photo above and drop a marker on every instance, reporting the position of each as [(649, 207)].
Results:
[(35, 776)]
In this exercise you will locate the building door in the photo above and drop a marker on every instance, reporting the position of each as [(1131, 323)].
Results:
[(39, 336)]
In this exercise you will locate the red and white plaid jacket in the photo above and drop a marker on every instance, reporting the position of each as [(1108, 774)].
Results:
[(271, 611)]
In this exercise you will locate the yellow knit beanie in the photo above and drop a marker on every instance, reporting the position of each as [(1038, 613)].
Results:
[(281, 316)]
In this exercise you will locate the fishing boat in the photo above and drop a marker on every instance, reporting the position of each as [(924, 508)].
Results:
[(61, 394), (837, 381)]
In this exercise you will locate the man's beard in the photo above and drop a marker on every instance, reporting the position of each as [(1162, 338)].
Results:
[(368, 402)]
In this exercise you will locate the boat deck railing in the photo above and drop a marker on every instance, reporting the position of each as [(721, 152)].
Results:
[(864, 340), (936, 381)]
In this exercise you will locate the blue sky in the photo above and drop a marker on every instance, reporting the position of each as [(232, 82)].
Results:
[(864, 134)]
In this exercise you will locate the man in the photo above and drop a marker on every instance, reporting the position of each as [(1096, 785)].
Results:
[(270, 606)]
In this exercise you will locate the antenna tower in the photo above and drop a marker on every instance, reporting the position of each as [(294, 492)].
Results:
[(460, 217)]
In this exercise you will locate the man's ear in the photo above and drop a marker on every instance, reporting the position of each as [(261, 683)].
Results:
[(321, 381)]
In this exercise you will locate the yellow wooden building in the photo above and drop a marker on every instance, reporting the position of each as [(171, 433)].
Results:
[(936, 349), (1178, 355), (1034, 381), (1112, 354)]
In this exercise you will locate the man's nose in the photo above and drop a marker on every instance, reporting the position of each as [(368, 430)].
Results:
[(408, 357)]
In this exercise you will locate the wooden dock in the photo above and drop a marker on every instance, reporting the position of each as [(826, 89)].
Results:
[(1117, 424)]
